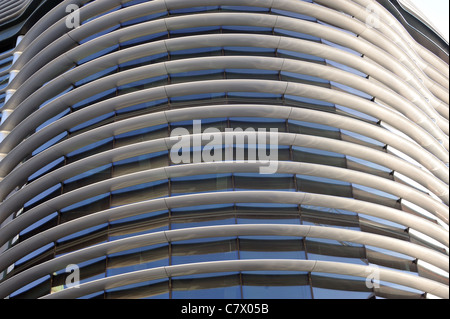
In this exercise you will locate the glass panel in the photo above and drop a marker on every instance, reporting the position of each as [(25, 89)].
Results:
[(197, 99), (335, 45), (244, 8), (252, 74), (308, 155), (53, 119), (81, 239), (355, 114), (195, 53), (93, 123), (351, 90), (275, 285), (194, 31), (323, 216), (46, 195), (95, 98), (300, 101), (247, 29), (94, 148), (140, 163), (314, 129), (38, 254), (144, 108), (293, 15), (33, 290), (338, 251), (39, 226), (97, 174), (299, 56), (85, 207), (200, 75), (207, 286), (303, 78), (281, 182), (98, 54), (249, 51), (143, 84)]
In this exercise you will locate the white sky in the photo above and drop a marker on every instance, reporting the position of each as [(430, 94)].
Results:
[(437, 12)]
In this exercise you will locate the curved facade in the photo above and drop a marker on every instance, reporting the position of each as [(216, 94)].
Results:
[(353, 109)]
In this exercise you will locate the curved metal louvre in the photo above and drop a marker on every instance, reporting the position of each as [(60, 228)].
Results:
[(89, 176), (11, 9)]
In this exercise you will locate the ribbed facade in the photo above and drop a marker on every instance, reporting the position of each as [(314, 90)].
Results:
[(358, 205)]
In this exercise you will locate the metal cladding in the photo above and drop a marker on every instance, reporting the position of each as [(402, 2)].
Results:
[(353, 107), (11, 9)]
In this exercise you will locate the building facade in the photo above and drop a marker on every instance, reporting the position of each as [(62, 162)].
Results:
[(222, 149)]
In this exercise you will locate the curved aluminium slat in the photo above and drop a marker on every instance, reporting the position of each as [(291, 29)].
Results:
[(388, 275), (146, 240)]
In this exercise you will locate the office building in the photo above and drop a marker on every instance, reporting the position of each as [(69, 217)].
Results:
[(347, 100)]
